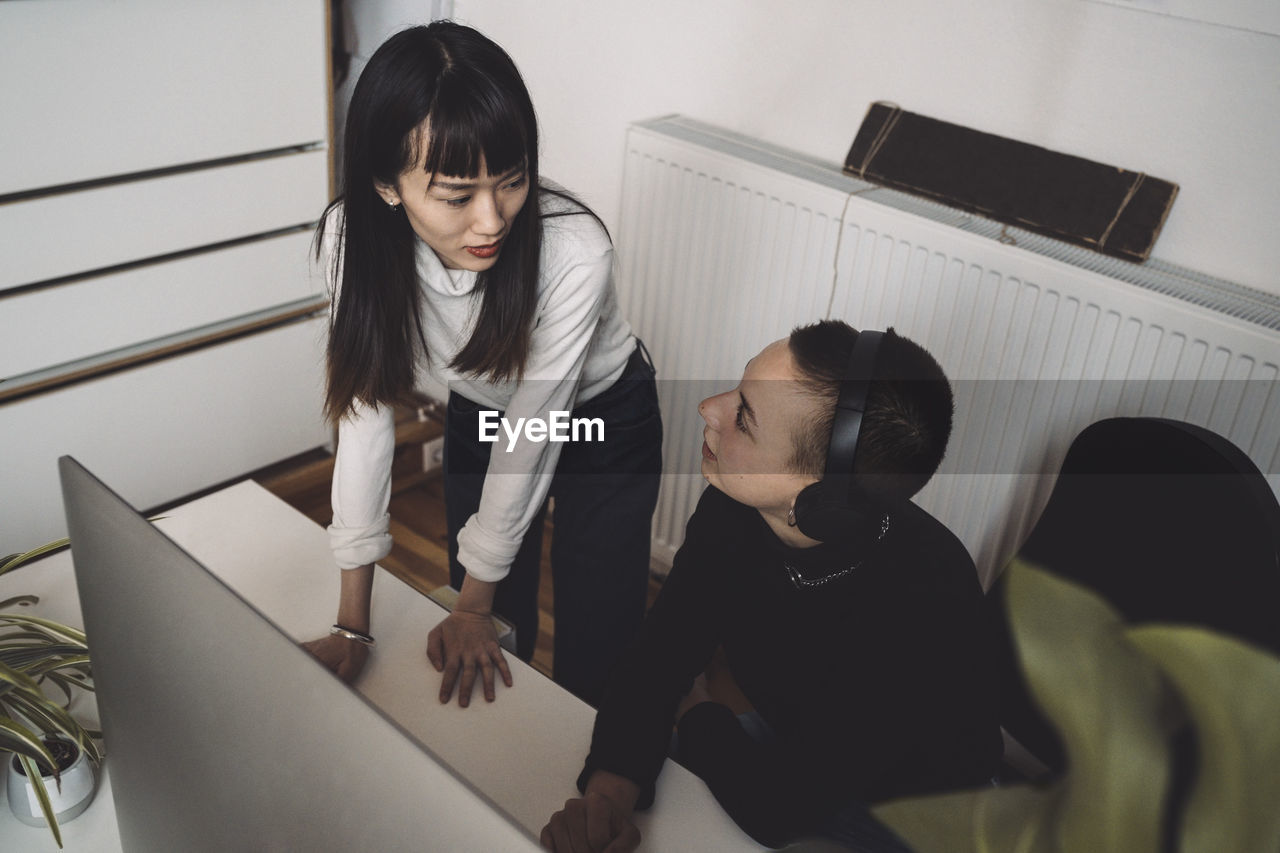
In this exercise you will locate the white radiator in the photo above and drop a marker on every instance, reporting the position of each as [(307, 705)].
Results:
[(726, 243)]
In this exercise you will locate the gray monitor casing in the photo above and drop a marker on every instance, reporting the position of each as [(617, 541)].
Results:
[(223, 734)]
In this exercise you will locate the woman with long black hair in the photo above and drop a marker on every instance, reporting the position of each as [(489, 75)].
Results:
[(447, 255)]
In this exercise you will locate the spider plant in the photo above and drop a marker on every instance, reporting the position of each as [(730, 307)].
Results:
[(42, 664)]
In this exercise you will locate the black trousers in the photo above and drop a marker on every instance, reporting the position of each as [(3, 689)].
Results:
[(605, 493)]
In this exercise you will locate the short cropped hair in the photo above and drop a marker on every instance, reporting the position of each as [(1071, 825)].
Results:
[(907, 422)]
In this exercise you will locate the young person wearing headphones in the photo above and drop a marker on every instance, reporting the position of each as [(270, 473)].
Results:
[(849, 617)]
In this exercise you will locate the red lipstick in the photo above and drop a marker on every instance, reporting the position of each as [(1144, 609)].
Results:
[(485, 251)]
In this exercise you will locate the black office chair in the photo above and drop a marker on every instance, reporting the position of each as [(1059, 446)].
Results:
[(1167, 521)]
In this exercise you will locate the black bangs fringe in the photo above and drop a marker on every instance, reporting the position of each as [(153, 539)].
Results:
[(473, 120)]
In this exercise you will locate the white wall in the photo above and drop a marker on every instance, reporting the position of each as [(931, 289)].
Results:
[(1194, 103)]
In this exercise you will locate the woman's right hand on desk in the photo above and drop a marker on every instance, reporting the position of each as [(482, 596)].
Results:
[(344, 657), (466, 644), (461, 646)]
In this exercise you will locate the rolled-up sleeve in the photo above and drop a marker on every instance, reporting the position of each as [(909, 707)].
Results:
[(360, 532)]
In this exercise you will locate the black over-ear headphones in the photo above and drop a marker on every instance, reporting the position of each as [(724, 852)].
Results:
[(834, 509)]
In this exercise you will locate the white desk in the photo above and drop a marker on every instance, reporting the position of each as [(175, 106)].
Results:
[(524, 750)]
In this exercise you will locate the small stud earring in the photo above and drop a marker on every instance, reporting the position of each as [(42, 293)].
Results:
[(791, 517)]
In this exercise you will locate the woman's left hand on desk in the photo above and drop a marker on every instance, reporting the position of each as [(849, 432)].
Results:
[(459, 646)]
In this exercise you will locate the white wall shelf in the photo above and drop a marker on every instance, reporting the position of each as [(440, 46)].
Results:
[(165, 165)]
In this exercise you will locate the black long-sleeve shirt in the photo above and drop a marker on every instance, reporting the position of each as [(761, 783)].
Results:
[(876, 684)]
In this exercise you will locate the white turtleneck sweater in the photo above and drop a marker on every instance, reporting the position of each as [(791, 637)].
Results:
[(580, 346)]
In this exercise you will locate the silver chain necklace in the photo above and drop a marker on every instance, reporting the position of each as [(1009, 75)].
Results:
[(806, 583)]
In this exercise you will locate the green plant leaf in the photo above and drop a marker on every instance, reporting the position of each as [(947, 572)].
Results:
[(55, 630), (76, 679), (16, 634), (42, 795), (18, 678), (48, 715), (28, 642), (20, 600), (989, 820), (1231, 691), (53, 661), (35, 708), (16, 737), (13, 561), (1106, 700), (65, 684)]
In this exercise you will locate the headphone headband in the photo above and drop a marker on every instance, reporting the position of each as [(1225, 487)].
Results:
[(829, 510), (852, 404)]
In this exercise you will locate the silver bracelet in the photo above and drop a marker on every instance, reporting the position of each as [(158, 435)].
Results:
[(358, 636)]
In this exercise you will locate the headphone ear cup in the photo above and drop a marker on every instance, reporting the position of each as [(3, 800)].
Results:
[(824, 514)]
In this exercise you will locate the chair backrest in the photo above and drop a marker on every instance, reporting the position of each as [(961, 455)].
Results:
[(1166, 520)]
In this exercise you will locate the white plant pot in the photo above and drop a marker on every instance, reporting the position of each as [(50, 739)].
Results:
[(79, 782)]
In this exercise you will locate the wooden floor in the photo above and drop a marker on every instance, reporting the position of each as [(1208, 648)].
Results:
[(420, 555)]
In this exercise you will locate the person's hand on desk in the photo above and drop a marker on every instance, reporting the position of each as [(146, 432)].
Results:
[(343, 656), (467, 641), (597, 822), (459, 646), (342, 651)]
